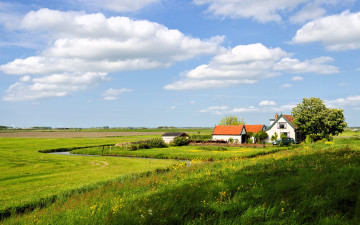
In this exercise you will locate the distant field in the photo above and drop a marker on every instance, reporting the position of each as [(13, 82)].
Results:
[(74, 134), (95, 133)]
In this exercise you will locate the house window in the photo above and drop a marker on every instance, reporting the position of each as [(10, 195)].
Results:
[(282, 125), (286, 133)]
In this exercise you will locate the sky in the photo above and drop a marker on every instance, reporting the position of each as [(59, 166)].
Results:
[(188, 63)]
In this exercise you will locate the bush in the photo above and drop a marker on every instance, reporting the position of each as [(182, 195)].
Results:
[(201, 137), (283, 136), (231, 140), (315, 137), (180, 141), (133, 147), (260, 135), (274, 137), (157, 143), (144, 145), (308, 139), (249, 135)]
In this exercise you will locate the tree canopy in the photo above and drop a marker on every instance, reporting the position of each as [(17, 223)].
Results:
[(231, 120), (312, 117)]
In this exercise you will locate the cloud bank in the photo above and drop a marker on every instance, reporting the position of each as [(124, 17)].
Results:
[(247, 64), (337, 32), (91, 43)]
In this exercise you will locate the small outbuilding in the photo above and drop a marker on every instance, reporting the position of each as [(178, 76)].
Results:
[(170, 136)]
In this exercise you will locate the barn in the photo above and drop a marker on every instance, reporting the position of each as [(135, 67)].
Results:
[(170, 136)]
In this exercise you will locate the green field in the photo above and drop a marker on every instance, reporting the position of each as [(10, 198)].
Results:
[(29, 177), (305, 184)]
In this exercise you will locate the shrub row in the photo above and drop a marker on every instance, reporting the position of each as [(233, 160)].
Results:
[(158, 143), (153, 143)]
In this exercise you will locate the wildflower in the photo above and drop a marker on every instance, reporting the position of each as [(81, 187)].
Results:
[(150, 211)]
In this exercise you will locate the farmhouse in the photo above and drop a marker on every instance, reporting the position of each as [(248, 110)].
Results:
[(170, 136), (283, 124), (225, 132)]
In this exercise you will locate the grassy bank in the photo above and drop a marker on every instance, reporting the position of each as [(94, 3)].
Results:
[(31, 178), (314, 184)]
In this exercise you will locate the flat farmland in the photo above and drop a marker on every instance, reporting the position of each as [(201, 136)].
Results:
[(72, 134)]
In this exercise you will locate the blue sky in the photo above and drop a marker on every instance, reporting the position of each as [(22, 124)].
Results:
[(119, 63)]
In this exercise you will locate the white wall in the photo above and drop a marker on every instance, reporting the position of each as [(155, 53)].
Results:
[(289, 129), (226, 137), (168, 139)]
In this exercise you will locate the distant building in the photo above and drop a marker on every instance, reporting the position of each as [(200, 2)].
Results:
[(170, 136)]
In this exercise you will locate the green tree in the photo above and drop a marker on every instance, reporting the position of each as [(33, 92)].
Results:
[(231, 120), (283, 136), (312, 117), (274, 137), (260, 135)]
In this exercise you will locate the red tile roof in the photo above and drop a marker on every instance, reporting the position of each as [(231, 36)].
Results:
[(253, 128), (227, 130), (290, 118)]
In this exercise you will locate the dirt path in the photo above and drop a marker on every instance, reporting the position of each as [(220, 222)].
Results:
[(75, 134)]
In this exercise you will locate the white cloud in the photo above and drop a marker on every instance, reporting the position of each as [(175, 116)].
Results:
[(310, 11), (192, 102), (91, 43), (247, 64), (244, 109), (336, 32), (343, 84), (218, 110), (8, 14), (267, 103), (118, 5), (286, 86), (260, 10), (192, 84), (318, 65), (56, 85), (341, 102), (221, 110), (114, 94), (297, 78)]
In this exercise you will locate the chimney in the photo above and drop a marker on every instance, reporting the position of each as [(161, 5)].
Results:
[(276, 116)]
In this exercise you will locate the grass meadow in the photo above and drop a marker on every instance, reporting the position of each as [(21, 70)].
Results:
[(30, 178), (206, 153), (315, 183)]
